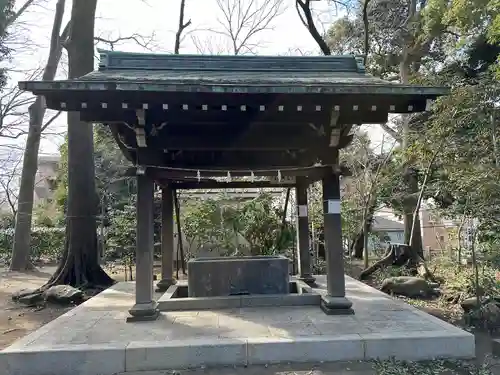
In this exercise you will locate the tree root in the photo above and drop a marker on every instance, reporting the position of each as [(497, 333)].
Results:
[(79, 269), (400, 255)]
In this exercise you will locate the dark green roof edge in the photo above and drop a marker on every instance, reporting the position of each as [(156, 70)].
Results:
[(46, 87), (115, 60)]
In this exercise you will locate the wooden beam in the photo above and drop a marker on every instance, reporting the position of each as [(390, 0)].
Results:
[(227, 160), (121, 101), (255, 136), (224, 185), (347, 117), (250, 141), (199, 116)]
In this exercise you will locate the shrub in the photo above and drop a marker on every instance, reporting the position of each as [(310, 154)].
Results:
[(46, 243), (460, 279)]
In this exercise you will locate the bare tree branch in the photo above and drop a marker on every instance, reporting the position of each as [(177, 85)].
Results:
[(19, 13), (14, 108), (50, 121), (209, 45), (304, 11), (181, 28), (393, 133), (8, 179), (37, 110), (139, 39), (241, 21)]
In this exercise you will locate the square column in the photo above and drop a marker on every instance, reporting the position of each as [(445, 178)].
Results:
[(334, 302), (167, 240), (145, 307), (303, 253)]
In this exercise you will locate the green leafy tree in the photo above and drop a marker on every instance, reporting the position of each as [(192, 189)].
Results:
[(204, 222), (113, 188), (413, 41), (261, 226), (468, 165), (218, 223), (122, 234)]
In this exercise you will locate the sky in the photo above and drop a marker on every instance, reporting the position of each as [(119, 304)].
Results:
[(156, 21)]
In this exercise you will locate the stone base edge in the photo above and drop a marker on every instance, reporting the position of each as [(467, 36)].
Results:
[(179, 354)]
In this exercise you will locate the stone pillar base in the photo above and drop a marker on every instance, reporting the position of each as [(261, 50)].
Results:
[(164, 284), (309, 280), (143, 312), (336, 305)]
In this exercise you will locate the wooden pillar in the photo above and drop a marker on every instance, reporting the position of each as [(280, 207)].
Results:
[(167, 240), (334, 302), (303, 252), (145, 307)]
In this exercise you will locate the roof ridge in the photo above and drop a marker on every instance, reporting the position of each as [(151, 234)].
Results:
[(115, 60)]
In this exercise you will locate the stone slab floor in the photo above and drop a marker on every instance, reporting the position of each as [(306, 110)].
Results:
[(94, 339)]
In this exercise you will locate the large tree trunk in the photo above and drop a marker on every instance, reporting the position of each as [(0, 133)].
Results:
[(22, 234), (79, 266)]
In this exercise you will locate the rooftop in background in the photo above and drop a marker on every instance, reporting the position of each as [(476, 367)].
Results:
[(49, 158)]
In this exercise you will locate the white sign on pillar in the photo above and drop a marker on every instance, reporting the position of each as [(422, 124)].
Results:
[(333, 206), (302, 210)]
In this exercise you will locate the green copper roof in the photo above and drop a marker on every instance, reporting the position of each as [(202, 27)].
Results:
[(113, 60), (120, 71)]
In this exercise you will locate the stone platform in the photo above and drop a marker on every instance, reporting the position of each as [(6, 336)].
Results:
[(94, 339)]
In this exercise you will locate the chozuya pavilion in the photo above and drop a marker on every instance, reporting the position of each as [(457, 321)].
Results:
[(195, 122)]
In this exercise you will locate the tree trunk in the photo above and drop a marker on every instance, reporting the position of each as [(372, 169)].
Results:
[(411, 230), (358, 244), (418, 246), (22, 233), (180, 29), (79, 266), (366, 255)]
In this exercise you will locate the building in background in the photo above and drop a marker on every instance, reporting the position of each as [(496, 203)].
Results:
[(45, 180)]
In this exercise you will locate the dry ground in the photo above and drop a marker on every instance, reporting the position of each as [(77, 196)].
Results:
[(16, 320)]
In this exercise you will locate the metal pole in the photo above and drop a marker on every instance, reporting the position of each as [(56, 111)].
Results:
[(494, 138), (179, 231), (101, 226)]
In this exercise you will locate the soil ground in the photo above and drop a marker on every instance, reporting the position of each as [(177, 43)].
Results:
[(16, 320)]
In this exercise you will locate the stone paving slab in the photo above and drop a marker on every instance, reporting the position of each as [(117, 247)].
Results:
[(94, 339)]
